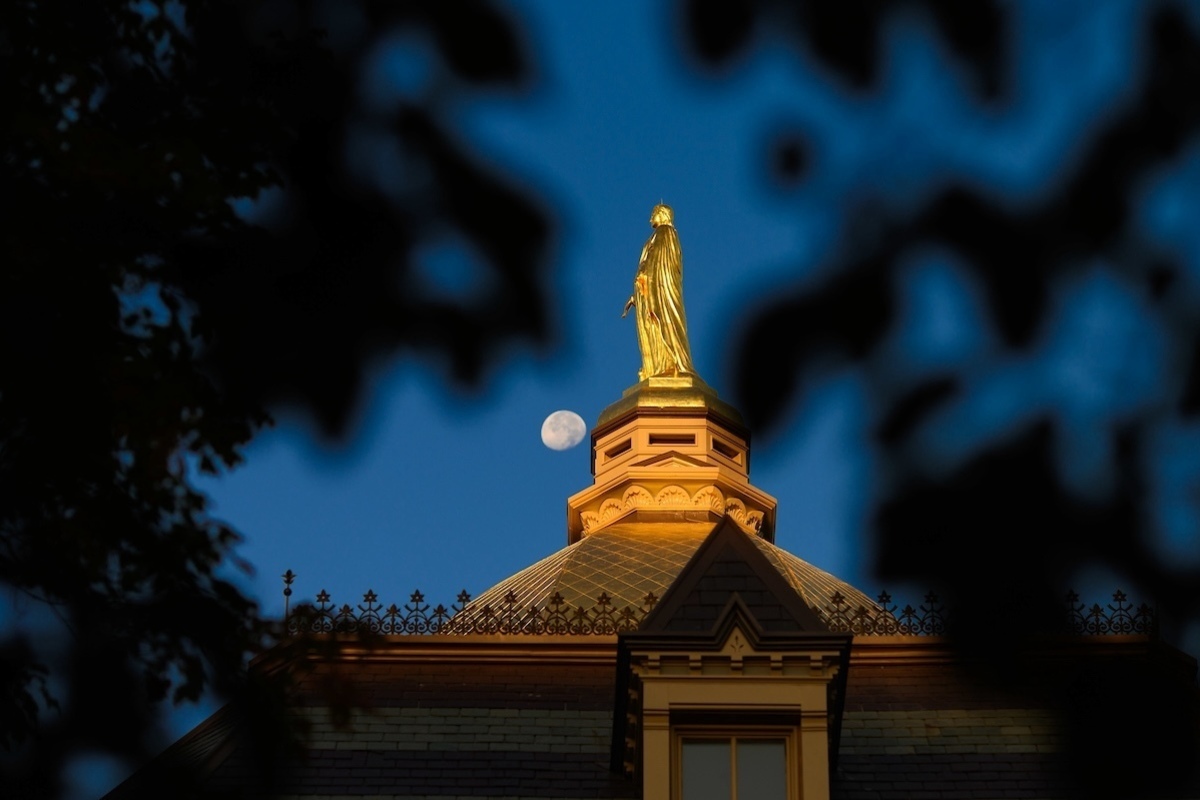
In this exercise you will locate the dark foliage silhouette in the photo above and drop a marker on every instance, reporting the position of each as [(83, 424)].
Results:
[(205, 215), (999, 533)]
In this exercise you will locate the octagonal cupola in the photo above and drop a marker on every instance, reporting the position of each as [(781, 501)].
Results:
[(670, 450)]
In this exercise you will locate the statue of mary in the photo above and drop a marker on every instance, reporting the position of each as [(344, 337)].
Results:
[(658, 301)]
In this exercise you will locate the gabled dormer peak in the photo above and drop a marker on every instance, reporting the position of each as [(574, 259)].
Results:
[(730, 582)]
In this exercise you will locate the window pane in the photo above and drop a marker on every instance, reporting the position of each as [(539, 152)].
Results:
[(761, 769), (706, 771)]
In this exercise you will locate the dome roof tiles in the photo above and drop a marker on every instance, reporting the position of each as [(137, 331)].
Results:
[(627, 563)]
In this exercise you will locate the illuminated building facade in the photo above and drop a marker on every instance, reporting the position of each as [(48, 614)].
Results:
[(670, 650)]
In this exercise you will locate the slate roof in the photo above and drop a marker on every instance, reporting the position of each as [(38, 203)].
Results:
[(462, 727), (941, 730), (524, 716)]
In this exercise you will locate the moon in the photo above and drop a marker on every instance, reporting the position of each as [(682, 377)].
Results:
[(562, 430)]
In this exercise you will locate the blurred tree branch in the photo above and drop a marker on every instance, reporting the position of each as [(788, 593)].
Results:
[(189, 239), (999, 532)]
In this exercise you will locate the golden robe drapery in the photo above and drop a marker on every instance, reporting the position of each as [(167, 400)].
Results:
[(658, 301)]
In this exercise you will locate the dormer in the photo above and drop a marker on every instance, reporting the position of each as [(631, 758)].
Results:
[(731, 682)]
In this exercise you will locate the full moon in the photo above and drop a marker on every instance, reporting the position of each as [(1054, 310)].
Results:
[(563, 429)]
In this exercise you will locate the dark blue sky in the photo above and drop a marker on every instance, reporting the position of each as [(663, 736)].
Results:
[(442, 491)]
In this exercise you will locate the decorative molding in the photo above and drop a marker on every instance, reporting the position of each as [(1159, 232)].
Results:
[(887, 618), (672, 498), (417, 616)]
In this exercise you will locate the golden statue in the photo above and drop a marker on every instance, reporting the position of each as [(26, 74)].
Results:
[(658, 300)]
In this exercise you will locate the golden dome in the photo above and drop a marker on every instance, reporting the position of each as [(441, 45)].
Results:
[(631, 565), (670, 463)]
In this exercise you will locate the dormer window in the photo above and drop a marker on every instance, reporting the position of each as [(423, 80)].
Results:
[(731, 687)]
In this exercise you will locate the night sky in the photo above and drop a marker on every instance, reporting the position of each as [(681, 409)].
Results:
[(442, 490)]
